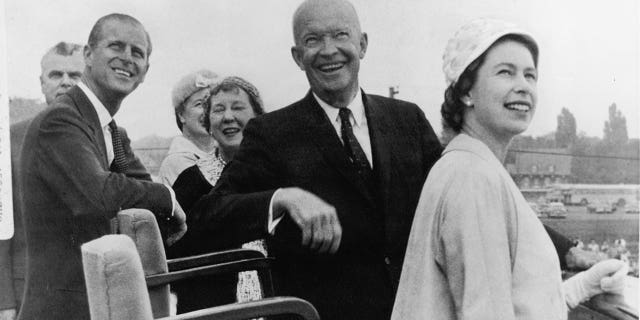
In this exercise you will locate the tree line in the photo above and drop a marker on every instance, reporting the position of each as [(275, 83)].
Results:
[(611, 159)]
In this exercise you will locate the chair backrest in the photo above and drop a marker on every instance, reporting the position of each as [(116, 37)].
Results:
[(114, 279), (117, 289), (141, 226)]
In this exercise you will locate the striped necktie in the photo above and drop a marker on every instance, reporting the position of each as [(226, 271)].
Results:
[(119, 163)]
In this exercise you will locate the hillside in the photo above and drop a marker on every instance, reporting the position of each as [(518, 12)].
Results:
[(22, 108), (151, 150)]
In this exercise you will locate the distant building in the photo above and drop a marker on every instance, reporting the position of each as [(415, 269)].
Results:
[(539, 169)]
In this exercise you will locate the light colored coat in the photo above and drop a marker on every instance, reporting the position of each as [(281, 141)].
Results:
[(476, 249), (182, 154)]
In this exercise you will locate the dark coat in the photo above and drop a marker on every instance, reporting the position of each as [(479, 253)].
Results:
[(298, 146), (69, 198), (13, 251), (201, 292)]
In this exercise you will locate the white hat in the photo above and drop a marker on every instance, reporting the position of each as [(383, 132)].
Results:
[(192, 83), (472, 40)]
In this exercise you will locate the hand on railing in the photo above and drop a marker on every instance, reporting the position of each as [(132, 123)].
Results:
[(177, 225), (604, 276)]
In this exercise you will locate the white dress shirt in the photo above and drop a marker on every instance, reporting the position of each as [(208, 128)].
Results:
[(358, 121)]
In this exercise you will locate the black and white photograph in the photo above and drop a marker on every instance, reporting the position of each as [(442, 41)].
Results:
[(319, 159)]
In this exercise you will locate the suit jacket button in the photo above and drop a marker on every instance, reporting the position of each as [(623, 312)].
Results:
[(387, 261)]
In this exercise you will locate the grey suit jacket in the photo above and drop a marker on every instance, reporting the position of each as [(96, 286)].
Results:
[(69, 197)]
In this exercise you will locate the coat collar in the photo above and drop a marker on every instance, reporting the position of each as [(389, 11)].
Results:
[(84, 106), (464, 142), (103, 114), (88, 112), (381, 132)]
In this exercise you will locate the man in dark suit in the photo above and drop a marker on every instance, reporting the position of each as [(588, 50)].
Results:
[(79, 171), (61, 68), (339, 171)]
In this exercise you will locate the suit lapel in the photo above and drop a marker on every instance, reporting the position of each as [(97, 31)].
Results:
[(325, 137), (380, 131), (89, 114)]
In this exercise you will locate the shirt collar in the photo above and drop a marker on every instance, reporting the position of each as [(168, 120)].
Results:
[(356, 106), (103, 114)]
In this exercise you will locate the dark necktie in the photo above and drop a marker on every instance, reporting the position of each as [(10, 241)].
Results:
[(351, 145), (119, 162)]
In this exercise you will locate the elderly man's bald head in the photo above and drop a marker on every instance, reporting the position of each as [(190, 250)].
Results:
[(328, 48), (342, 7)]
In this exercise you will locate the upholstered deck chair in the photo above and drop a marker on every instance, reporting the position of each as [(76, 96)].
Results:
[(141, 226), (117, 289)]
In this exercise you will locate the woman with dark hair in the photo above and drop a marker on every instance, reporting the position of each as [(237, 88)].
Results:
[(231, 103), (476, 249)]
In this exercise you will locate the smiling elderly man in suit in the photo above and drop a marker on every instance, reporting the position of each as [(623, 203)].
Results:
[(79, 171), (339, 172)]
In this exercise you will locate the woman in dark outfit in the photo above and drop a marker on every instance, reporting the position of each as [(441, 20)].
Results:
[(232, 103)]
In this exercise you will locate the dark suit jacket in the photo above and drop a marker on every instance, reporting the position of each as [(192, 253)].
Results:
[(298, 146), (69, 198), (13, 251)]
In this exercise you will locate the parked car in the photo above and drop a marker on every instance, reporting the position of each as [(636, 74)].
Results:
[(600, 207), (557, 210), (632, 208)]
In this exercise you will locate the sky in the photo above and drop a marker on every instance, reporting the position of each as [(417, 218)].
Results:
[(589, 51)]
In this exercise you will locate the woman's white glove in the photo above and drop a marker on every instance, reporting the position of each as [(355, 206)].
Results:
[(604, 276)]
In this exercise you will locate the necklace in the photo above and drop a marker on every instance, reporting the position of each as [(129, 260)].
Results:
[(224, 163), (212, 167)]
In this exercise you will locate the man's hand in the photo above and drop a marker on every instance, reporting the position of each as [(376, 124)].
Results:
[(8, 314), (177, 225), (318, 220)]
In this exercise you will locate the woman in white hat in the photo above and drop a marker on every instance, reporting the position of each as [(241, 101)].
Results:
[(189, 97), (476, 249)]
